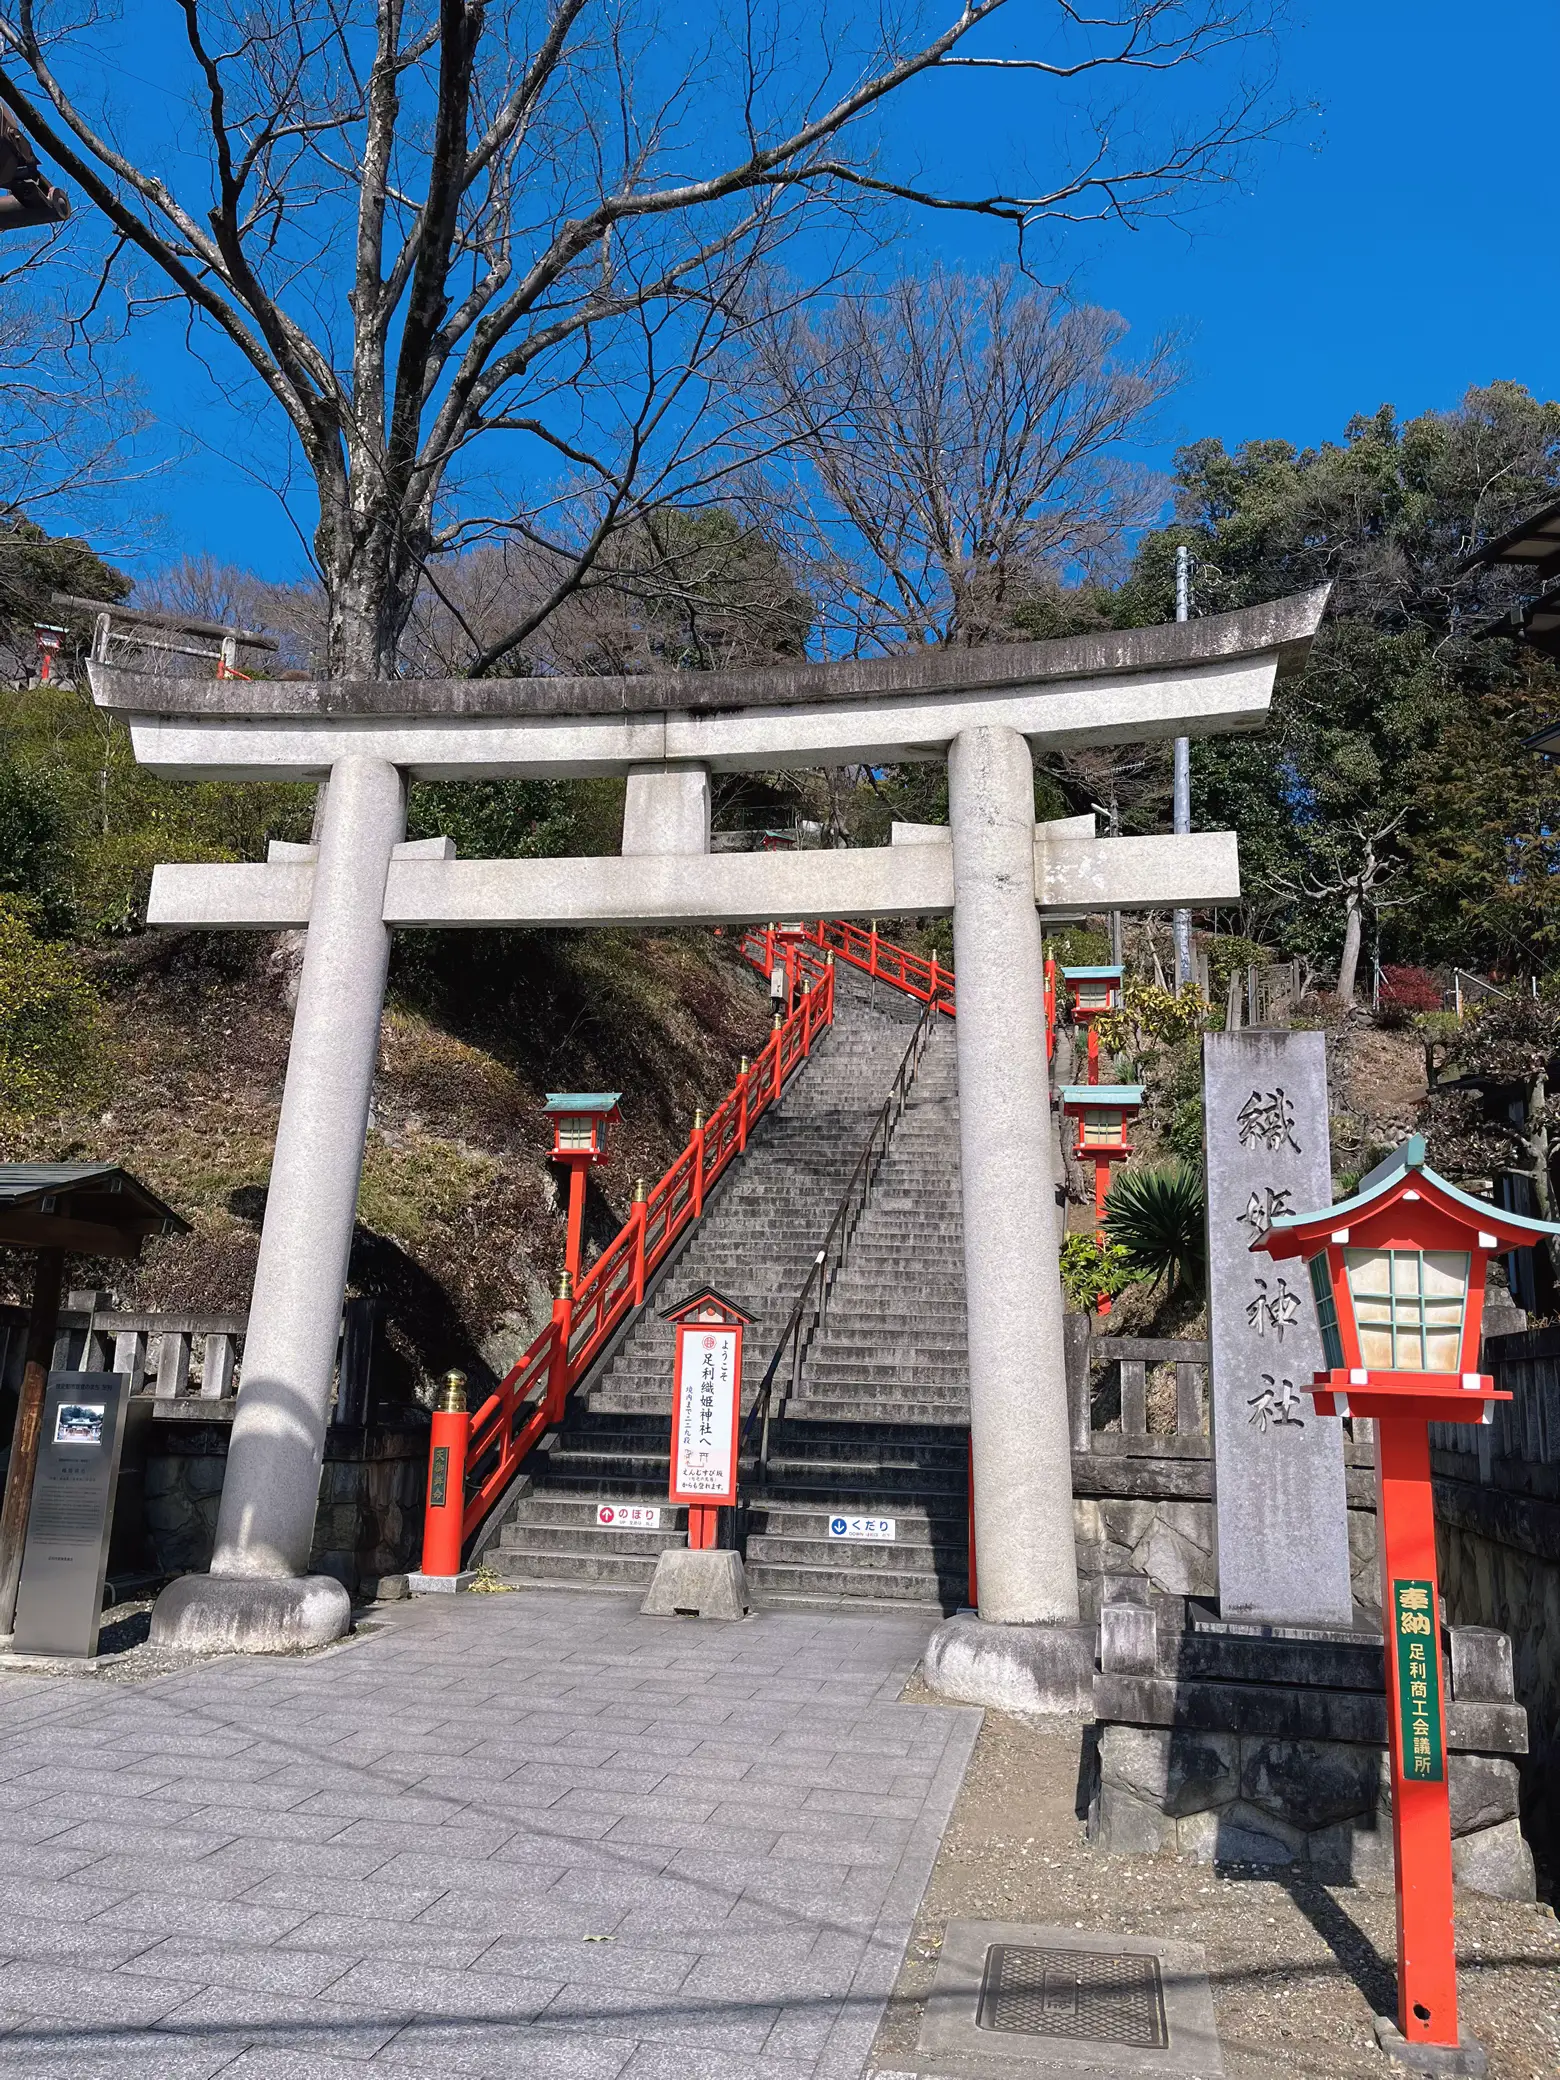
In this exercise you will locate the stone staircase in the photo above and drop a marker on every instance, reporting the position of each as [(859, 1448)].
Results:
[(881, 1427)]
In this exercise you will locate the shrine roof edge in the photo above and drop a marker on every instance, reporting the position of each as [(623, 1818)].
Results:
[(1285, 626)]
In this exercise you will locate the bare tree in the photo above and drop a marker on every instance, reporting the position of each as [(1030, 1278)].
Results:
[(961, 439), (530, 227), (1355, 873)]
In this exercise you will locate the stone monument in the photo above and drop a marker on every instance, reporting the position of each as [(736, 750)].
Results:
[(1280, 1508)]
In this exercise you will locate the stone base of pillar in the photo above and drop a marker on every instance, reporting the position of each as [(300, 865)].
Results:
[(703, 1584), (1464, 2057), (1014, 1668), (251, 1613)]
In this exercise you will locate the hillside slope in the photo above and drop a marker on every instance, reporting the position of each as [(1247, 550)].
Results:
[(460, 1228)]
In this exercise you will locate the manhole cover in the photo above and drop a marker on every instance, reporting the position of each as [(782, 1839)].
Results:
[(1101, 1995)]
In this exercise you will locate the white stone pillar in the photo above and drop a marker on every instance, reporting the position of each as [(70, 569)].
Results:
[(1026, 1558), (253, 1596)]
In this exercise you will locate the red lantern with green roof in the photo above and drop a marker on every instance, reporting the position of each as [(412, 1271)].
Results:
[(1398, 1274), (1103, 1112), (580, 1123), (1091, 992)]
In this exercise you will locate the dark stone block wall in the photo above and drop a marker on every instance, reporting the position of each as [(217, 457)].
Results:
[(372, 1490)]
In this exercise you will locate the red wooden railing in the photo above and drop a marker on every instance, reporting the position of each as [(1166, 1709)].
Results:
[(531, 1398), (925, 979)]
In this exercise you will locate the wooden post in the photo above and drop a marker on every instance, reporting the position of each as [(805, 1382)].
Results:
[(1421, 1814), (639, 1215), (698, 1165), (742, 1105), (576, 1234), (444, 1516), (558, 1364), (48, 1279)]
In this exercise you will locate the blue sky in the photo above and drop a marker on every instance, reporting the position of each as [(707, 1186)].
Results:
[(1393, 249)]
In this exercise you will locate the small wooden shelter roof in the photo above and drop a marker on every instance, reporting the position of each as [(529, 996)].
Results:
[(91, 1209)]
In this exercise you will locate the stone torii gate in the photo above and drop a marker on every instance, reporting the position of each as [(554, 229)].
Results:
[(995, 872)]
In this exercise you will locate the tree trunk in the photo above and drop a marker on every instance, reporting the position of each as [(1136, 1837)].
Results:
[(1348, 966)]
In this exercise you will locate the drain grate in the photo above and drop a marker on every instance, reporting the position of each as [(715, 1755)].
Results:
[(1105, 1996)]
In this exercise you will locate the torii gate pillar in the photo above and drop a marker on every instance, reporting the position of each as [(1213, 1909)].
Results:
[(1022, 1454), (259, 1594)]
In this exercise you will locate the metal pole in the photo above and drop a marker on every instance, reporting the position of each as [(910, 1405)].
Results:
[(1183, 775)]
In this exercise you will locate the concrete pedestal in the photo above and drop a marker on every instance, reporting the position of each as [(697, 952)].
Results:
[(253, 1614), (1013, 1668), (1467, 2056), (704, 1584), (1026, 1563), (271, 1489)]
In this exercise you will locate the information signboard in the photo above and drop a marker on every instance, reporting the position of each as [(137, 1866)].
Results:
[(60, 1601), (705, 1412)]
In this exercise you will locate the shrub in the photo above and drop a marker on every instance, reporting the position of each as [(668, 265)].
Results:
[(49, 1027), (1404, 993), (1156, 1217), (1088, 1270)]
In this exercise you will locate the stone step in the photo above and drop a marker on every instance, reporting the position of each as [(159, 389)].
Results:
[(793, 1581)]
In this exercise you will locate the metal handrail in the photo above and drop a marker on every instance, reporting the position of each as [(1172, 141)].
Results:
[(812, 1302)]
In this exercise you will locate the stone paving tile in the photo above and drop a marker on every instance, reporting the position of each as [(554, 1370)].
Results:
[(386, 1860), (250, 2015)]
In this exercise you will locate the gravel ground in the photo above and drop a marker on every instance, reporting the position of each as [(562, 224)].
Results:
[(1297, 1969)]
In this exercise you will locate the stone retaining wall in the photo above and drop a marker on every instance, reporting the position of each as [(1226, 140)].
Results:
[(372, 1490)]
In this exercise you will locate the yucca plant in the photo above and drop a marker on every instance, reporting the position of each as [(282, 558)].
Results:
[(1156, 1216)]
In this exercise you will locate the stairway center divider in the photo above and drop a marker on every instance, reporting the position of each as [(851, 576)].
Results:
[(812, 1302), (530, 1399)]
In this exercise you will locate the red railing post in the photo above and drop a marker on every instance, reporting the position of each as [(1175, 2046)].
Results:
[(443, 1518), (639, 1213), (558, 1363), (779, 1047), (698, 1165), (806, 1008), (742, 1095), (932, 993)]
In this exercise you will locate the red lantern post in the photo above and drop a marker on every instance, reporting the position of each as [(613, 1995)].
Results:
[(1103, 1112), (706, 1409), (1091, 993), (1398, 1274), (581, 1120)]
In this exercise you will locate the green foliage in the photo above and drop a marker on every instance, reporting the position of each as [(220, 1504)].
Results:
[(82, 825), (1228, 955), (34, 566), (1399, 712), (1156, 1216), (1151, 1018), (1089, 1270), (518, 819), (49, 1026), (1075, 946)]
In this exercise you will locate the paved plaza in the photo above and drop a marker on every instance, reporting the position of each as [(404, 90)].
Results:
[(527, 1834)]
